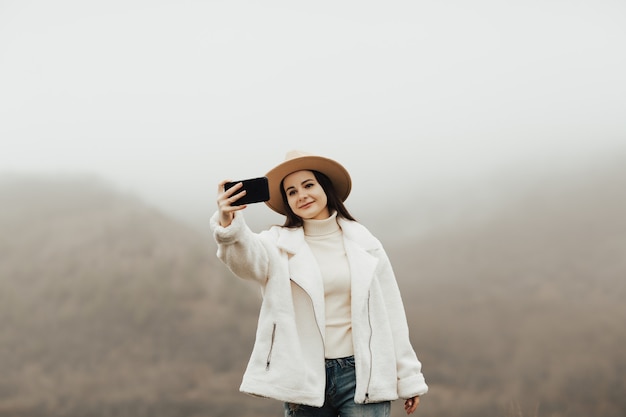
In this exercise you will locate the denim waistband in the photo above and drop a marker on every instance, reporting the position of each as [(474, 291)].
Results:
[(341, 362)]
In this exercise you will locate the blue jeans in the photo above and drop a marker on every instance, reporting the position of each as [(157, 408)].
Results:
[(340, 387)]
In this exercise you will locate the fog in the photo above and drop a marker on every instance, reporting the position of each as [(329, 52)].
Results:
[(165, 98), (486, 141)]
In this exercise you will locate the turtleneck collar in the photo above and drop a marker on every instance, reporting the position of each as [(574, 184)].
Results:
[(321, 227)]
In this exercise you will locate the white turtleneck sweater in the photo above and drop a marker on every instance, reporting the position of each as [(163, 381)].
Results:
[(325, 239)]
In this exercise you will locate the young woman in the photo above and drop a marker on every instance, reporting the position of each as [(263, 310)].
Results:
[(332, 336)]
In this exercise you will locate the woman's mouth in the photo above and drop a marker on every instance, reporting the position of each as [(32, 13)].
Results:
[(306, 206)]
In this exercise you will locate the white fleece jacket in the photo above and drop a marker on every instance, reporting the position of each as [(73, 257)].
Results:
[(287, 361)]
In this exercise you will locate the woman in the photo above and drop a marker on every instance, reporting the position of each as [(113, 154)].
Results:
[(332, 336)]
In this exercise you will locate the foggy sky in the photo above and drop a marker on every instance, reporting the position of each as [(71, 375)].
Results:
[(166, 98)]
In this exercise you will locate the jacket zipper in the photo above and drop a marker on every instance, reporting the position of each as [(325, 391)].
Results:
[(269, 354), (369, 378)]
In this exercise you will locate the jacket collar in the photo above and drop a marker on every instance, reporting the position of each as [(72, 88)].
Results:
[(358, 242), (292, 240)]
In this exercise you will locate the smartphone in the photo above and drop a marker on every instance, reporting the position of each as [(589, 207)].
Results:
[(257, 190)]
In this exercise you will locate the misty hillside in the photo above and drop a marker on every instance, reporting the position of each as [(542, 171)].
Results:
[(110, 308), (107, 306), (525, 309)]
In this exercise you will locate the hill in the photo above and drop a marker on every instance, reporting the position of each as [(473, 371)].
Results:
[(109, 307), (523, 310)]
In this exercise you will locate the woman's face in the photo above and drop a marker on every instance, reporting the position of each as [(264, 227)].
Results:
[(305, 196)]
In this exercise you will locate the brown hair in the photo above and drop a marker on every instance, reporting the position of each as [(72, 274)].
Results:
[(334, 203)]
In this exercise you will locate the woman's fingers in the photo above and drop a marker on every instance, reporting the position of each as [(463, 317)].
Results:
[(411, 404), (223, 192), (220, 186), (225, 199)]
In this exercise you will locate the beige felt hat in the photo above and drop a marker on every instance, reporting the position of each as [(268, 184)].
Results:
[(297, 161)]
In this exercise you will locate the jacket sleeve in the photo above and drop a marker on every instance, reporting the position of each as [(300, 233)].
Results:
[(411, 381), (243, 251)]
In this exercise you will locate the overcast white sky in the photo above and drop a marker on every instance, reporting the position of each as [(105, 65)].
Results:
[(165, 97)]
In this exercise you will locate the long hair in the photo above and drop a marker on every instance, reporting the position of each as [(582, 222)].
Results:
[(333, 201)]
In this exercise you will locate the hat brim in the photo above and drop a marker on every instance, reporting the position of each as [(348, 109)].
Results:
[(338, 175)]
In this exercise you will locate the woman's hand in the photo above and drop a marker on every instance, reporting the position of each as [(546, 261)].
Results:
[(411, 404), (225, 199)]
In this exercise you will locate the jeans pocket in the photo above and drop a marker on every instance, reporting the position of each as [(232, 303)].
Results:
[(349, 361)]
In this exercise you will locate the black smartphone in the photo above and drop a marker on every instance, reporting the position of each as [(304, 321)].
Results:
[(257, 190)]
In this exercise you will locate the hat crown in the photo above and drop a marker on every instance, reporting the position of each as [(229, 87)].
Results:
[(293, 154)]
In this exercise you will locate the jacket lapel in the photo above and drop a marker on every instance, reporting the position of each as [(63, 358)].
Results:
[(362, 268), (358, 241), (304, 271)]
